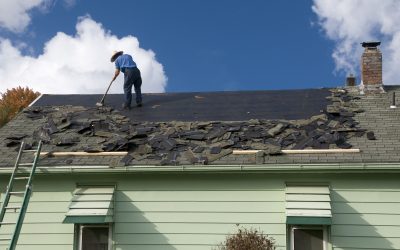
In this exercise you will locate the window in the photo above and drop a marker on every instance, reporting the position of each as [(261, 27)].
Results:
[(94, 237), (309, 238), (308, 216)]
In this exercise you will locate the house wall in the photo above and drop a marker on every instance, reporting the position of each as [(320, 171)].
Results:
[(193, 211)]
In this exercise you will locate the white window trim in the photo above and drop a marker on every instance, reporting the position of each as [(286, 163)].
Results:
[(109, 226), (325, 230)]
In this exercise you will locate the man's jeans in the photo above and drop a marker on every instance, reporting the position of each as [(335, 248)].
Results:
[(132, 77)]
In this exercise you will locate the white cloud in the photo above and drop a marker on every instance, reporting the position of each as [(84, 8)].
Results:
[(69, 3), (77, 64), (14, 14), (350, 22)]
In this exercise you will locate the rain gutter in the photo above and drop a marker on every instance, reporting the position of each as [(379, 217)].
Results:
[(273, 168)]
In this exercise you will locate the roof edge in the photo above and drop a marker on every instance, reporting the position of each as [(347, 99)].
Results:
[(34, 101), (270, 168), (201, 92)]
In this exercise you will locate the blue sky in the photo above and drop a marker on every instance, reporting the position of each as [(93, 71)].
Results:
[(202, 45), (215, 45)]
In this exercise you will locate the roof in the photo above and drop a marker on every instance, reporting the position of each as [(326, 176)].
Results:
[(204, 128), (208, 106)]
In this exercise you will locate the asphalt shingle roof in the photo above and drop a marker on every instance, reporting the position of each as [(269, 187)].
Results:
[(278, 119)]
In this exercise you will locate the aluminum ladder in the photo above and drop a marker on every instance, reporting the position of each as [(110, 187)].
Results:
[(20, 176)]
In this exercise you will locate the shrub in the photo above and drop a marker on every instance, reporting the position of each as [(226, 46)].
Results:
[(13, 101), (248, 239)]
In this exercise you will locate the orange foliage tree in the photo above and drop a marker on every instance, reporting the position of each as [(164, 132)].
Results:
[(13, 101)]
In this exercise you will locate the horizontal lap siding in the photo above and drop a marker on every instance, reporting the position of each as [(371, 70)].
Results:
[(195, 219), (205, 217), (195, 212), (366, 242), (175, 239), (44, 247), (366, 218), (158, 214), (193, 228), (172, 247), (43, 228), (191, 214)]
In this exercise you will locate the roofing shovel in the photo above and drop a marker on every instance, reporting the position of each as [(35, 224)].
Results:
[(101, 103)]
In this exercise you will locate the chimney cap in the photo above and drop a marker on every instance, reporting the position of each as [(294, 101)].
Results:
[(370, 44)]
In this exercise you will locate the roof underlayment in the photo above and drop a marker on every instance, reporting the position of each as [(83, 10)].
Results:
[(208, 106)]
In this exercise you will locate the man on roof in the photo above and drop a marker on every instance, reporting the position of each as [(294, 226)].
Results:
[(125, 63)]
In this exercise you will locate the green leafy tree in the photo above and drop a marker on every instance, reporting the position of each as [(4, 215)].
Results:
[(13, 101), (248, 239)]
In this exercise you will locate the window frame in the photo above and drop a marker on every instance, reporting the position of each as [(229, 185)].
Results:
[(79, 228), (325, 232)]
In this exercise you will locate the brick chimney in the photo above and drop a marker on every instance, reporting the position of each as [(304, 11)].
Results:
[(371, 68)]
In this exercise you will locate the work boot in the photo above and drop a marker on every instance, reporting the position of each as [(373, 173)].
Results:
[(125, 107), (139, 104)]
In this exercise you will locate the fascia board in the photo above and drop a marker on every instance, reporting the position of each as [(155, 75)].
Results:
[(270, 168)]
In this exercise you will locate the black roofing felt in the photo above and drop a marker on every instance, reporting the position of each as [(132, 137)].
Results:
[(209, 106)]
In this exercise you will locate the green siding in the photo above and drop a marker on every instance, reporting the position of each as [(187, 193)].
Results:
[(367, 242), (197, 211), (192, 228), (368, 196), (200, 206), (366, 231), (171, 247), (231, 218), (195, 195), (367, 207), (366, 218), (44, 247), (45, 228), (175, 239)]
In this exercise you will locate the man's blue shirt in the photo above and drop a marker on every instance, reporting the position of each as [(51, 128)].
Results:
[(124, 61)]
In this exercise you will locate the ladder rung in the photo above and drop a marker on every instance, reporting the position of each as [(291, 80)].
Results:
[(18, 207), (30, 150), (21, 178), (17, 193), (26, 164), (7, 223)]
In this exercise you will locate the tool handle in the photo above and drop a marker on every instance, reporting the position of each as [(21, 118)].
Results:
[(104, 96), (109, 86)]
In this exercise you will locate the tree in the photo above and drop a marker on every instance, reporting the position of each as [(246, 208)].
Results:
[(248, 239), (13, 101)]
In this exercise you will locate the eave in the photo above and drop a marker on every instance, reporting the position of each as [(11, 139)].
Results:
[(265, 168)]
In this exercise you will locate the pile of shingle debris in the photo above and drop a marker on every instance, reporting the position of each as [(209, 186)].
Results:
[(69, 128)]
